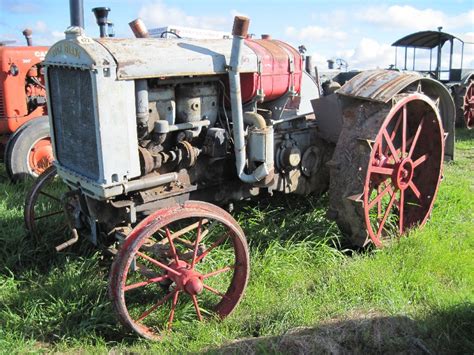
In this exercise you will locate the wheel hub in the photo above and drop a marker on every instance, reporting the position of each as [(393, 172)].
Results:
[(190, 281), (403, 174), (41, 156)]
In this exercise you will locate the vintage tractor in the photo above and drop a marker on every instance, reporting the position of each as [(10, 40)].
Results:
[(457, 78), (151, 136), (24, 127)]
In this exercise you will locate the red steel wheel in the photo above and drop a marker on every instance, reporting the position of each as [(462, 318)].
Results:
[(180, 263), (392, 180), (469, 105)]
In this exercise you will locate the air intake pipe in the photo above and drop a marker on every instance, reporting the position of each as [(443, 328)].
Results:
[(101, 14), (239, 33), (27, 32)]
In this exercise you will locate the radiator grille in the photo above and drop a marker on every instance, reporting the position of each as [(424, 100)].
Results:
[(72, 105)]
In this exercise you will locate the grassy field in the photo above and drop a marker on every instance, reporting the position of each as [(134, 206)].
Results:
[(304, 293)]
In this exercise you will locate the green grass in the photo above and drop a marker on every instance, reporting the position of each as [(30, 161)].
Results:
[(304, 293)]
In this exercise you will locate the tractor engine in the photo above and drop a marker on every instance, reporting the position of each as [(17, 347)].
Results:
[(149, 122)]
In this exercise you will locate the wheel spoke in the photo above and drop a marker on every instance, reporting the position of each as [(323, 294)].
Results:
[(414, 189), (391, 146), (170, 241), (209, 288), (144, 283), (49, 215), (420, 160), (384, 219), (196, 306), (184, 231), (379, 197), (401, 210), (196, 245), (173, 307), (217, 272), (404, 131), (379, 202), (415, 138), (156, 305), (394, 132), (213, 246), (157, 263), (383, 170), (50, 196)]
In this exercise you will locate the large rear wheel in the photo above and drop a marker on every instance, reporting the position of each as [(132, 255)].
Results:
[(386, 168)]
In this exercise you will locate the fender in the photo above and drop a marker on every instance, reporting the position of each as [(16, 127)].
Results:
[(382, 85)]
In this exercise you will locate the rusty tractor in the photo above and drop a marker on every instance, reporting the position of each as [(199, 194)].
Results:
[(153, 136)]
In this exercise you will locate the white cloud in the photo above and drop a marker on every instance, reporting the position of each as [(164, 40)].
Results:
[(40, 26), (157, 14), (368, 54), (409, 17), (315, 33)]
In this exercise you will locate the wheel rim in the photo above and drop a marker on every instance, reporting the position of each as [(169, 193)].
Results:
[(44, 213), (189, 262), (404, 169), (469, 106), (40, 156)]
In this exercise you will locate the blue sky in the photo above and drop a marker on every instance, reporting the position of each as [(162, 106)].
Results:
[(359, 31)]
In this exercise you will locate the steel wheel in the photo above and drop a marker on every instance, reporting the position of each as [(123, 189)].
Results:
[(44, 211), (179, 264), (389, 168), (469, 105)]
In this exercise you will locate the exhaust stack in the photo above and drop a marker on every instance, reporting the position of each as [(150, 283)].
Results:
[(139, 28), (76, 8), (27, 32)]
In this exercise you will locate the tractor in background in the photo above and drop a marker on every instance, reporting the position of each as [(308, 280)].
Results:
[(24, 127), (458, 79)]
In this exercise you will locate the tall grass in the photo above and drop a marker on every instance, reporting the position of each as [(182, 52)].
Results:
[(420, 291)]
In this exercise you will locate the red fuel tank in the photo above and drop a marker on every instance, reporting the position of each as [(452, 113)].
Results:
[(280, 70)]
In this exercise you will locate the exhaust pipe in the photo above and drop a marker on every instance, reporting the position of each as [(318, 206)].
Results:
[(27, 32), (101, 14), (76, 8), (139, 29), (239, 33)]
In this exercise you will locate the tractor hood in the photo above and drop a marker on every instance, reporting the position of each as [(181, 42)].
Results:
[(150, 57)]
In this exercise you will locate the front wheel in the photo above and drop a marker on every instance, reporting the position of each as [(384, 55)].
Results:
[(29, 152), (181, 263)]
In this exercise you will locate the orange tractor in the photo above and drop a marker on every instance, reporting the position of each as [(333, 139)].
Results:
[(24, 126)]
